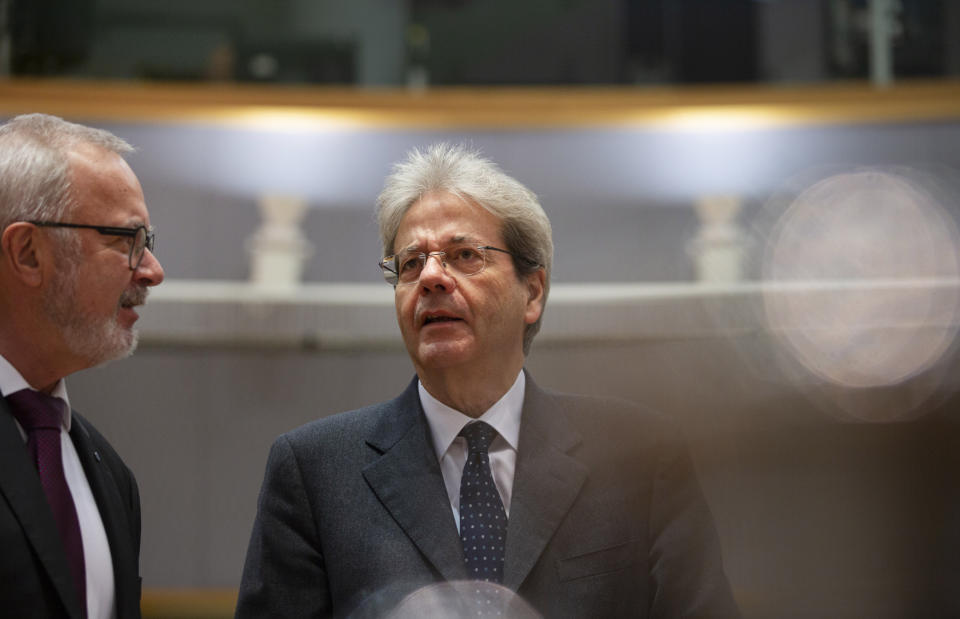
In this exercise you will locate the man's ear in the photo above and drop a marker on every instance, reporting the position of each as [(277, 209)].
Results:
[(21, 252), (536, 282)]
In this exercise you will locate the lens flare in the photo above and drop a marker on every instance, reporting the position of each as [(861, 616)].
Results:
[(465, 598), (862, 278)]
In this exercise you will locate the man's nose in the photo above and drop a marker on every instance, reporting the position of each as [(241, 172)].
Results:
[(150, 272), (435, 275)]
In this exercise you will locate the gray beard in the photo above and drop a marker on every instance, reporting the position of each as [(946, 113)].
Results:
[(94, 338)]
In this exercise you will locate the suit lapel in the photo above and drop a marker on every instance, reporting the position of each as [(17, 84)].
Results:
[(20, 484), (545, 484), (406, 477), (112, 513)]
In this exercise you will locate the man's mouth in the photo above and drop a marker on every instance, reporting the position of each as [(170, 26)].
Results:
[(434, 319)]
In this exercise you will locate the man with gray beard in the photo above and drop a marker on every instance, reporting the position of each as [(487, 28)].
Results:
[(76, 259)]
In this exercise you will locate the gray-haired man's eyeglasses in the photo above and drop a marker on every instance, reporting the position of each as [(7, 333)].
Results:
[(143, 237), (466, 260)]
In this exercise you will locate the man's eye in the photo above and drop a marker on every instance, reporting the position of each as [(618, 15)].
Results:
[(123, 241), (409, 263), (464, 254)]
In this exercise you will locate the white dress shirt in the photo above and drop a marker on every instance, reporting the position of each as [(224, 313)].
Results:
[(96, 550), (445, 424)]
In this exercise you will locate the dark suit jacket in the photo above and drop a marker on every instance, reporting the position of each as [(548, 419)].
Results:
[(35, 577), (607, 518)]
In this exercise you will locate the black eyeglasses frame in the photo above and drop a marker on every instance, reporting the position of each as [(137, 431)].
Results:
[(149, 239)]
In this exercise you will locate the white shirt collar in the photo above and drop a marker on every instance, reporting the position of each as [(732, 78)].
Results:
[(446, 423), (11, 381)]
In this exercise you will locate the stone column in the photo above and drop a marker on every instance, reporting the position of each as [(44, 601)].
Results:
[(719, 247), (279, 248)]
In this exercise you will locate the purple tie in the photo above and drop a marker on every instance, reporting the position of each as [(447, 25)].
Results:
[(41, 415)]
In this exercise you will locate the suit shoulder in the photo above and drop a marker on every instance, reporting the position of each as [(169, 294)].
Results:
[(337, 427), (613, 416), (614, 407)]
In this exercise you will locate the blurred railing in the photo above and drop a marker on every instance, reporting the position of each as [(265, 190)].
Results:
[(691, 106)]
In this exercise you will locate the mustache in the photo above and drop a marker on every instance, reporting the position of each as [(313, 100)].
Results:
[(135, 296)]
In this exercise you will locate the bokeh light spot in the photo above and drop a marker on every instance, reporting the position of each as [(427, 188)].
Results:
[(861, 277)]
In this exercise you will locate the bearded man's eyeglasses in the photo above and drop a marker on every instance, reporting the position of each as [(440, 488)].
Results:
[(466, 260), (142, 237)]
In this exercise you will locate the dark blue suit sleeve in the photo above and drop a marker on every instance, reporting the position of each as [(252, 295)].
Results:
[(686, 562), (284, 573)]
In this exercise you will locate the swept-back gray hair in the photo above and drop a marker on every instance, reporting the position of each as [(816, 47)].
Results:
[(35, 181), (464, 172)]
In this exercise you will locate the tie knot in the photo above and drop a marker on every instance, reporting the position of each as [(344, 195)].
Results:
[(479, 435), (35, 410)]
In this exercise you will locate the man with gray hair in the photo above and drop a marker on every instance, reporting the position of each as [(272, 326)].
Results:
[(75, 261), (582, 507)]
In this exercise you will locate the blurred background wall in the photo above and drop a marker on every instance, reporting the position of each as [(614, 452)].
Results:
[(754, 209)]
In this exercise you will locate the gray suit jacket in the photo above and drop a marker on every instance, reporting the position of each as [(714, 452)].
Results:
[(607, 518), (35, 578)]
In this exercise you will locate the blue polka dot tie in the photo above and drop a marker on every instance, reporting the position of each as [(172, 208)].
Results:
[(483, 521)]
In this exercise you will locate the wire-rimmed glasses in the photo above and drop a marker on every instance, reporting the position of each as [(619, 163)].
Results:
[(462, 259)]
